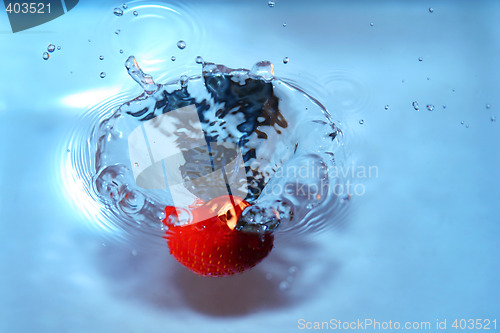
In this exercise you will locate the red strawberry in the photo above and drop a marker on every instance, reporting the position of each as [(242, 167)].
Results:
[(210, 245)]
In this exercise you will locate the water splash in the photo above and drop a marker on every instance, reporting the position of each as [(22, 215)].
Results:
[(290, 156)]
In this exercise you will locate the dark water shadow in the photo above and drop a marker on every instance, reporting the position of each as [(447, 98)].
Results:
[(295, 271)]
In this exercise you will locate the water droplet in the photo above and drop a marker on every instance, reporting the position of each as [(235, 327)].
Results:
[(284, 286), (462, 122), (118, 12), (493, 118), (263, 69), (181, 44), (444, 106), (173, 58), (271, 4), (121, 51), (415, 106), (134, 252), (125, 6), (284, 24), (184, 81), (136, 164), (117, 32), (428, 78), (467, 126), (46, 56), (102, 75), (420, 59), (431, 10), (101, 57), (269, 276), (386, 107), (136, 73), (430, 107), (68, 150), (135, 13), (371, 24), (488, 106), (59, 47), (286, 60), (361, 122), (51, 48), (292, 270), (199, 60)]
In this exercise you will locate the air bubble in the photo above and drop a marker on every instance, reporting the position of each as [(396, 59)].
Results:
[(430, 107), (181, 44), (488, 106), (51, 48), (420, 59), (121, 51), (284, 24), (271, 4), (415, 106), (284, 286), (133, 252), (493, 118), (118, 12), (386, 107), (102, 75), (135, 13), (371, 24), (462, 122), (431, 10), (199, 60), (46, 56), (136, 164), (101, 57), (361, 122), (286, 60), (173, 58), (59, 48)]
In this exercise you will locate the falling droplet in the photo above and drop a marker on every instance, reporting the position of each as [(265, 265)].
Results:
[(488, 106), (135, 13), (199, 60), (118, 12), (51, 48), (173, 58), (431, 10), (286, 60), (181, 44), (415, 106), (387, 107), (117, 32), (184, 81), (420, 59), (271, 4), (361, 122), (493, 118), (125, 6), (101, 57), (102, 75), (430, 107), (46, 56), (371, 24)]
